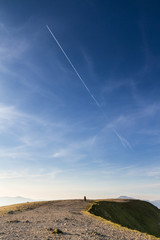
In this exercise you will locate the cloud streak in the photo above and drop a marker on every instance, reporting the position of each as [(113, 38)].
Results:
[(27, 174), (74, 152)]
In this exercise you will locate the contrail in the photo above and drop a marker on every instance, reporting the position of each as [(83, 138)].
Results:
[(124, 142), (74, 68)]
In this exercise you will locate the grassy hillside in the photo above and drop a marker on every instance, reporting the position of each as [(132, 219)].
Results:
[(134, 214)]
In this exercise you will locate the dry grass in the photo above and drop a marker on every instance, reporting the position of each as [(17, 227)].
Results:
[(11, 209)]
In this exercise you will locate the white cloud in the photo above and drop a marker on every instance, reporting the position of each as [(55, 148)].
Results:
[(11, 116), (144, 171), (70, 154), (20, 137), (113, 84), (13, 47), (16, 153), (26, 174), (10, 174), (10, 50), (74, 152), (8, 115)]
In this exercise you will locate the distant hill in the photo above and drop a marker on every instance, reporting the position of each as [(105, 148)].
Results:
[(134, 214), (13, 200), (155, 203), (125, 197)]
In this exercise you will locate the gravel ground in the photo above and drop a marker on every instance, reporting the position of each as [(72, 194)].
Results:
[(39, 223)]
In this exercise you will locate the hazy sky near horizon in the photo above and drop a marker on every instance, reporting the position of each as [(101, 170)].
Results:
[(55, 141)]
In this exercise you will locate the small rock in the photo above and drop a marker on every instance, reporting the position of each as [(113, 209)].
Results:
[(50, 229), (10, 212), (13, 221), (95, 233), (29, 208), (57, 231)]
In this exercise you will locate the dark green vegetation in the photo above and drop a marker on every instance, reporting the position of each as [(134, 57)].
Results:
[(134, 214)]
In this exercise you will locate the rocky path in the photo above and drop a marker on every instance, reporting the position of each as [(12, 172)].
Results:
[(39, 223)]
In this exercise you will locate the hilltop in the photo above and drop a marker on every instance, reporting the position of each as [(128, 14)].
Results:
[(63, 219)]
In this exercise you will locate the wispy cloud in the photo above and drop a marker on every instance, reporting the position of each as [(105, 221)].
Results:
[(16, 153), (11, 116), (17, 48), (114, 84), (89, 65), (148, 171), (21, 140), (13, 47), (134, 119), (72, 153), (26, 174), (10, 174)]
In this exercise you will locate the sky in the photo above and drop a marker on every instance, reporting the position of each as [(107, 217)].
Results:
[(65, 135)]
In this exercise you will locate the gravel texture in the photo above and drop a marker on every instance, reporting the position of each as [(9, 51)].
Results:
[(66, 216)]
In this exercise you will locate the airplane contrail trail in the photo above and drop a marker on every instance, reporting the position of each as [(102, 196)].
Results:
[(74, 68), (124, 142)]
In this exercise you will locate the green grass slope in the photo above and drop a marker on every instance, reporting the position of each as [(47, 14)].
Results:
[(134, 214)]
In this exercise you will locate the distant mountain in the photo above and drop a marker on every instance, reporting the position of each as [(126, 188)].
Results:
[(155, 203), (13, 200), (125, 197)]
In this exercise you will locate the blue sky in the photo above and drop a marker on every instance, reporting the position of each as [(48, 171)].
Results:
[(55, 142)]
